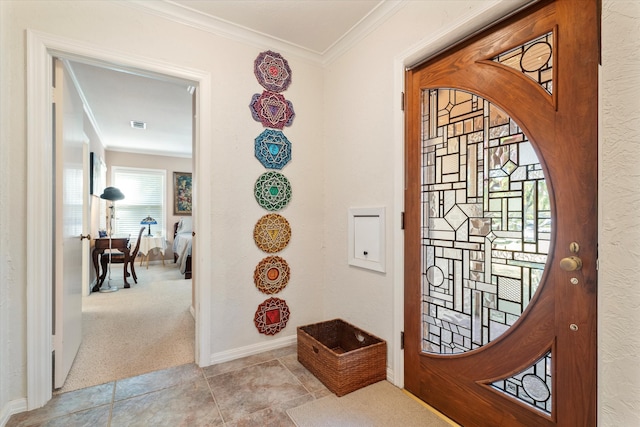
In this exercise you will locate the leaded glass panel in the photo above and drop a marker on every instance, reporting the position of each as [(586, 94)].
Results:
[(531, 386), (534, 59), (486, 221)]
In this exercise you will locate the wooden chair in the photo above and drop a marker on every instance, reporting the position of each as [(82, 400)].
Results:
[(118, 257)]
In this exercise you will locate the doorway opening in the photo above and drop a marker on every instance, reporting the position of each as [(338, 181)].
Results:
[(41, 49), (153, 316)]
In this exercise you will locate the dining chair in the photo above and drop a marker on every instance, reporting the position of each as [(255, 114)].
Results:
[(119, 257)]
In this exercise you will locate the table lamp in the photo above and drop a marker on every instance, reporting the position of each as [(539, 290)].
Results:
[(112, 194), (148, 221)]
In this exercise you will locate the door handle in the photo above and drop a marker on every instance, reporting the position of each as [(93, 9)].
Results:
[(88, 236), (571, 263)]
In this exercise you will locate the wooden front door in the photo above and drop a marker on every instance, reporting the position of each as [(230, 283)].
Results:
[(501, 225)]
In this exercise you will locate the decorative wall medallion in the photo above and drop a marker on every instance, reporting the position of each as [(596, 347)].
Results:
[(272, 191), (272, 233), (271, 316), (272, 71), (272, 110), (271, 275), (273, 149)]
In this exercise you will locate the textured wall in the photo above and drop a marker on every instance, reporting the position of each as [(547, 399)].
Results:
[(352, 150), (619, 250), (227, 183), (361, 150)]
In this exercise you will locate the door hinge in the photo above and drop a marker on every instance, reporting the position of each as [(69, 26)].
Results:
[(402, 101), (402, 340), (402, 221)]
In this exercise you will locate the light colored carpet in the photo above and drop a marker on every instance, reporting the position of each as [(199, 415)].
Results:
[(378, 405), (133, 331)]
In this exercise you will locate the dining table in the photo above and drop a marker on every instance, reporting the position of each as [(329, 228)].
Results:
[(150, 244)]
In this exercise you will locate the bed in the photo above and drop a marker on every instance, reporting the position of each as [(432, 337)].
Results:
[(182, 238)]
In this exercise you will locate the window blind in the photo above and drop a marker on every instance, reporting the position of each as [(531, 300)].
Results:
[(144, 195)]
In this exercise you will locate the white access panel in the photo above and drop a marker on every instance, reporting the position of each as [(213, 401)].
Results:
[(367, 238)]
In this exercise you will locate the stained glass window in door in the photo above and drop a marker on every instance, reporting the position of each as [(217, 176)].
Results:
[(531, 386), (486, 221), (534, 59)]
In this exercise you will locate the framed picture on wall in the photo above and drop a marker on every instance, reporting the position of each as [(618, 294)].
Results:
[(97, 174), (182, 193)]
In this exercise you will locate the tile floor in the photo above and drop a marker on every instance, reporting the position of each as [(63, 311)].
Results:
[(253, 391)]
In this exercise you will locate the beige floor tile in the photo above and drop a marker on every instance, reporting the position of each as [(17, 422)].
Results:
[(65, 403), (234, 365), (275, 416), (307, 379), (252, 389), (157, 380), (187, 404), (95, 417)]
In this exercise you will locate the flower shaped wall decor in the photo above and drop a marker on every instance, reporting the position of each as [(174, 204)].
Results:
[(272, 110), (271, 275), (271, 316), (272, 233), (272, 71), (272, 191), (272, 149)]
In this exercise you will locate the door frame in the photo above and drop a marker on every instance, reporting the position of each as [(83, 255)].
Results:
[(40, 49), (462, 28)]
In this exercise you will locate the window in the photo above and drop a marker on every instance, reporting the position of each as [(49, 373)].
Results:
[(144, 195)]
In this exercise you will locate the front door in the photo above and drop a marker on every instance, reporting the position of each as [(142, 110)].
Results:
[(500, 222)]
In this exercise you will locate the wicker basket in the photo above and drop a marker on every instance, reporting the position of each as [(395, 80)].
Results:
[(342, 356)]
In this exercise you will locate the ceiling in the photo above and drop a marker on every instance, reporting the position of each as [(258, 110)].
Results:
[(114, 97)]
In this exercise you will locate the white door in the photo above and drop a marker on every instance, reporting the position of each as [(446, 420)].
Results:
[(70, 197)]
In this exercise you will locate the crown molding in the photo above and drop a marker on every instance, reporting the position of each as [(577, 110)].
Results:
[(175, 154), (220, 27), (363, 28)]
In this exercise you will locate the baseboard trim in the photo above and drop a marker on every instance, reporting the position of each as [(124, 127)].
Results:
[(390, 375), (12, 408), (250, 350)]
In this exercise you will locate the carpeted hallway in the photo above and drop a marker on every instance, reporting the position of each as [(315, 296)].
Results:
[(137, 330)]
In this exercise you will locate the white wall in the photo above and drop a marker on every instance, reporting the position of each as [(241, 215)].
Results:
[(343, 156), (619, 248), (363, 150), (228, 182)]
